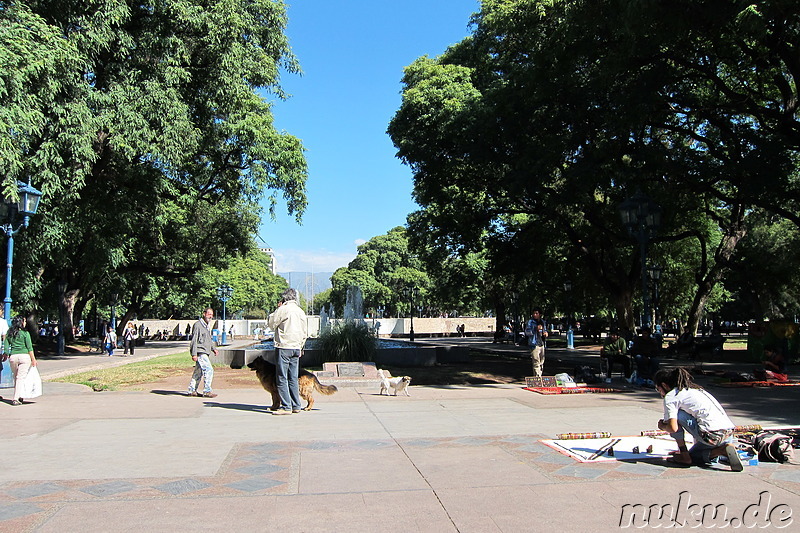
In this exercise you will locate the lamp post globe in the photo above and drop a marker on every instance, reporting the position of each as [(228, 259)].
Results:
[(26, 205), (642, 218), (224, 293)]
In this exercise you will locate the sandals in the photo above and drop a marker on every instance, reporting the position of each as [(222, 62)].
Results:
[(733, 458)]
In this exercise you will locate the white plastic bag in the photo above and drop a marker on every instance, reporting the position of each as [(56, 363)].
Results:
[(32, 384), (565, 380)]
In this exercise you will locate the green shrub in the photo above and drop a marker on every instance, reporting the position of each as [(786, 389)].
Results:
[(348, 341)]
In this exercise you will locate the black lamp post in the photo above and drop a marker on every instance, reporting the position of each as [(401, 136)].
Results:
[(10, 211), (224, 293), (642, 217), (515, 317), (114, 300), (62, 289), (655, 271), (411, 292), (568, 305)]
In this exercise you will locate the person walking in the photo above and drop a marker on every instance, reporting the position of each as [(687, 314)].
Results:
[(536, 332), (3, 333), (291, 331), (20, 349), (129, 337), (110, 341), (201, 347)]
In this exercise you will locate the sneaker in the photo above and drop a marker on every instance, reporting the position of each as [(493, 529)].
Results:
[(16, 402), (209, 395), (192, 393), (733, 458), (282, 412), (295, 410)]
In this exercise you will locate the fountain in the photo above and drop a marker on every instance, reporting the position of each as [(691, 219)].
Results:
[(323, 319), (389, 352), (354, 304)]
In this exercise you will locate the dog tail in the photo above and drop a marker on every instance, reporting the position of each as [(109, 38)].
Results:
[(324, 389)]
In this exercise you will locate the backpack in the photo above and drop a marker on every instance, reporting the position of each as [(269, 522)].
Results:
[(773, 447)]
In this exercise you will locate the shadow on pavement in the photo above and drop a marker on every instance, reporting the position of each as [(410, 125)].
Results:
[(168, 392), (239, 406)]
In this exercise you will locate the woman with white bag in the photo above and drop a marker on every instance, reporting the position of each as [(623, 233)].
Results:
[(18, 344)]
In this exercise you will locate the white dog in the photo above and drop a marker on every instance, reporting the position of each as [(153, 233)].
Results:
[(399, 383)]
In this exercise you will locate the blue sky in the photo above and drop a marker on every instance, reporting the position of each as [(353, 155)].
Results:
[(352, 53)]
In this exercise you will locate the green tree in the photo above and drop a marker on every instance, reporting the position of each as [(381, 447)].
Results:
[(560, 110), (382, 268), (143, 126)]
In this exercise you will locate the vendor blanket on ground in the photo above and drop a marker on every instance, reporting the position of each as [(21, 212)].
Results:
[(573, 390), (586, 450)]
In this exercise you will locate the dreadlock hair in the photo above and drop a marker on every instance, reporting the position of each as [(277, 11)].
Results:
[(677, 378), (16, 326)]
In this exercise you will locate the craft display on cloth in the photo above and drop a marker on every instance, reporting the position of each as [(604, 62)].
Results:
[(738, 384), (541, 381), (32, 384), (574, 390), (614, 448)]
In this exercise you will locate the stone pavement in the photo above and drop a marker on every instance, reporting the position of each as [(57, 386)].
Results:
[(449, 458)]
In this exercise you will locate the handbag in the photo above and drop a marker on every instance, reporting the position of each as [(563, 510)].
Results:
[(32, 384)]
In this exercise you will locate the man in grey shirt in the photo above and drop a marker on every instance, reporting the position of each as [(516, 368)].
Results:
[(201, 347)]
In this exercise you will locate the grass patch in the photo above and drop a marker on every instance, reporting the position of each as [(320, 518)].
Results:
[(148, 371)]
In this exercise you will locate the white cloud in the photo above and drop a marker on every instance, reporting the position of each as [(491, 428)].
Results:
[(311, 260), (359, 242)]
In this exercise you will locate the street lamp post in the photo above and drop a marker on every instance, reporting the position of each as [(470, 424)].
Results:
[(655, 272), (515, 319), (224, 293), (411, 292), (642, 217), (570, 333), (114, 300), (62, 289), (10, 210)]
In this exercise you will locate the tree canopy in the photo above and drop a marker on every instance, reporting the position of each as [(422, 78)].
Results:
[(143, 126), (541, 123)]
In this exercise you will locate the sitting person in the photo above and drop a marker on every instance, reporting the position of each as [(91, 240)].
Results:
[(689, 408), (684, 343), (713, 343), (615, 351), (774, 365), (645, 351)]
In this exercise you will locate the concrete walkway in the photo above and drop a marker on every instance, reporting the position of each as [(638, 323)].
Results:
[(444, 459)]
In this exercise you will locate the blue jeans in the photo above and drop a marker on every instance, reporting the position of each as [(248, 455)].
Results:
[(701, 449), (202, 368), (286, 377)]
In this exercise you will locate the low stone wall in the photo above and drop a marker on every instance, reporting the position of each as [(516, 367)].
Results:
[(412, 356), (432, 327), (387, 327)]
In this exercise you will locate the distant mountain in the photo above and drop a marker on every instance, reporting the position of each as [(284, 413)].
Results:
[(307, 283)]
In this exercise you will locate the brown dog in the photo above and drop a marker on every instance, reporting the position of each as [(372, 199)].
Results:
[(306, 380)]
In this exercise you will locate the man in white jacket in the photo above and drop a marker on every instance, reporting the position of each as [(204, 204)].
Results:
[(291, 330)]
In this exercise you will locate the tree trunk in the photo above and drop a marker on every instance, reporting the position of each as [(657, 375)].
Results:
[(722, 256), (67, 302)]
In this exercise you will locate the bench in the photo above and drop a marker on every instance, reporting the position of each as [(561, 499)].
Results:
[(94, 344)]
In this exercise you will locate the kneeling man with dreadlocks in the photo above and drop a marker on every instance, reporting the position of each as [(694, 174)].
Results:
[(689, 408)]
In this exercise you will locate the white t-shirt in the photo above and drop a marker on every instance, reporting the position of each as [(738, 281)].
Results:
[(3, 327), (700, 404)]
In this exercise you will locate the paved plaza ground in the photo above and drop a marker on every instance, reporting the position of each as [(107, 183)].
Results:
[(447, 458)]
